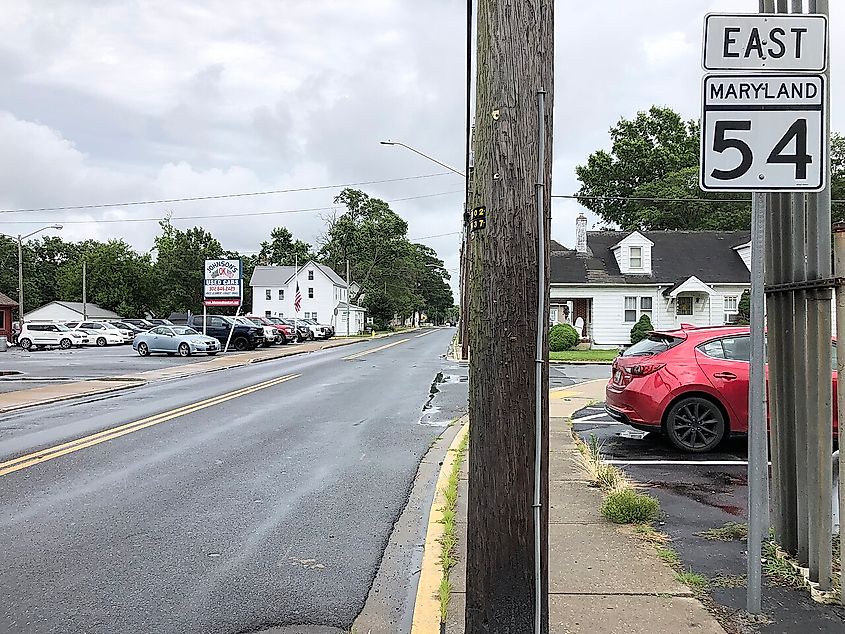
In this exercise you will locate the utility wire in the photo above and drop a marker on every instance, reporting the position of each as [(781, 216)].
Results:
[(219, 196), (221, 215), (661, 200)]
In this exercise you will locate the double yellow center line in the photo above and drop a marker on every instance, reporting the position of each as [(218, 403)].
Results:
[(32, 459)]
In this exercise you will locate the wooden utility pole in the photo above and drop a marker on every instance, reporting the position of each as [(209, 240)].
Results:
[(515, 54)]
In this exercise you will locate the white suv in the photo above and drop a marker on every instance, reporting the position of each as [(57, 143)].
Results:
[(49, 335), (100, 333)]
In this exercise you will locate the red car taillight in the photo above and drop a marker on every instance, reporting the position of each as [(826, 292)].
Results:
[(646, 368)]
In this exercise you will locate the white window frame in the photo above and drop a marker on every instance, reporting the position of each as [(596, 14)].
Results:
[(268, 294), (735, 301), (281, 294), (310, 275), (626, 310), (647, 311), (310, 292), (638, 257)]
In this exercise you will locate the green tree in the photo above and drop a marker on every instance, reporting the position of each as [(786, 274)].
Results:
[(283, 250), (837, 176), (643, 150), (118, 278), (178, 268)]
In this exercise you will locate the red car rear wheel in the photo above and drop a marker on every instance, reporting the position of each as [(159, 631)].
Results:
[(695, 425)]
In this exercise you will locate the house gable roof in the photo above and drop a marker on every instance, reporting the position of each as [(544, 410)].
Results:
[(631, 237), (675, 257), (282, 275), (7, 301), (690, 285)]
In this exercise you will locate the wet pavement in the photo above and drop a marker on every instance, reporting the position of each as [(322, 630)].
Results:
[(698, 493)]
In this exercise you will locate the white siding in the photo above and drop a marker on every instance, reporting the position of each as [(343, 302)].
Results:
[(52, 312), (745, 253), (623, 254), (609, 328), (326, 297)]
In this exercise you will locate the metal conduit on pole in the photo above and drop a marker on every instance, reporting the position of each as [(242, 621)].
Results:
[(539, 361), (839, 270), (799, 316)]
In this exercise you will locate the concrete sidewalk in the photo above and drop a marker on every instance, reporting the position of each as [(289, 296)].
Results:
[(20, 399), (603, 579)]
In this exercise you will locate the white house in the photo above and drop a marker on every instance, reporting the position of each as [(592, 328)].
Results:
[(323, 295), (69, 311), (612, 278)]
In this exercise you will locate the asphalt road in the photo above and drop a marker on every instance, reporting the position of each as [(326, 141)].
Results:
[(698, 493), (268, 505)]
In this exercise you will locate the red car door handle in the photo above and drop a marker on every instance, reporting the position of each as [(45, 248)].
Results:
[(725, 375)]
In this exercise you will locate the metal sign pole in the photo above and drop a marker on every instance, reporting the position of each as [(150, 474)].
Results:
[(758, 459)]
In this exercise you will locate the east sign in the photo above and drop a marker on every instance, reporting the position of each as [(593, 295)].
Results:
[(765, 42)]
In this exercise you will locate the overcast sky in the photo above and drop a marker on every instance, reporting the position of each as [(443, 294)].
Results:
[(109, 101)]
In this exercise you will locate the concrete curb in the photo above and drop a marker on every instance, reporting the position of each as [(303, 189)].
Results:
[(427, 604), (119, 385)]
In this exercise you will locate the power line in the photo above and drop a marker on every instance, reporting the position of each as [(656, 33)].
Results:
[(221, 215), (219, 196), (660, 200)]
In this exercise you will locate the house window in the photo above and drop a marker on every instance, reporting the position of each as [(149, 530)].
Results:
[(631, 309), (268, 294), (684, 306), (281, 293), (310, 275), (731, 303), (645, 306), (266, 313), (314, 315), (636, 257), (310, 292)]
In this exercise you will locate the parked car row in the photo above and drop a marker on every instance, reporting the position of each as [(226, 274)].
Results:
[(161, 335)]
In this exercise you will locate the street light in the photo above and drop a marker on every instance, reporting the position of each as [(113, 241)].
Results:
[(430, 158), (20, 238)]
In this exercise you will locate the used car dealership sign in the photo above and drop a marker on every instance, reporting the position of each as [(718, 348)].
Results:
[(223, 283)]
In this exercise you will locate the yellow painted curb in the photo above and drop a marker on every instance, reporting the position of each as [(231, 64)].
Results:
[(427, 604)]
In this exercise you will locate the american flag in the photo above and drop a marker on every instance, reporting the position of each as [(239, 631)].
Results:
[(297, 299)]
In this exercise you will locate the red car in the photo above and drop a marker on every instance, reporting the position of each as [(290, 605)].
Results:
[(691, 384), (285, 332)]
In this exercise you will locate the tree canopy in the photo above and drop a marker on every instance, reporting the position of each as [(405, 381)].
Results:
[(396, 276), (649, 178)]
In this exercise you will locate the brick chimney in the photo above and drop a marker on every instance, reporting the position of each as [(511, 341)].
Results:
[(581, 234)]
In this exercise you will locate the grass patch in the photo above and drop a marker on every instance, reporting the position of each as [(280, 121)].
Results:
[(626, 506), (449, 541), (600, 356), (780, 569), (732, 531), (650, 535), (694, 580), (603, 475), (668, 555), (730, 581)]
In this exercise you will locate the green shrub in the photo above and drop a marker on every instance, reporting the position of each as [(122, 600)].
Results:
[(641, 329), (562, 337), (743, 316), (626, 506)]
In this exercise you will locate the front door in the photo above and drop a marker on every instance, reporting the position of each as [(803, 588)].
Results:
[(725, 361)]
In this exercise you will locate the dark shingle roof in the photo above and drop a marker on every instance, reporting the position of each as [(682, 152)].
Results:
[(5, 300), (676, 255)]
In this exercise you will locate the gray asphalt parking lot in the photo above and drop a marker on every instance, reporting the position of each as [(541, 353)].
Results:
[(698, 493), (83, 363)]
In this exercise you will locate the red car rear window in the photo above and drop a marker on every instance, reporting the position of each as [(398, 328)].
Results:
[(652, 345)]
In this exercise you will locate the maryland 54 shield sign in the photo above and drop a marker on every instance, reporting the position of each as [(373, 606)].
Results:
[(223, 282)]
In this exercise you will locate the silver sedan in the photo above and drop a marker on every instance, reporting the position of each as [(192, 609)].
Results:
[(180, 340)]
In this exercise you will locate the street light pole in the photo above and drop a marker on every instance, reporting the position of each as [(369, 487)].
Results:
[(424, 155), (20, 238)]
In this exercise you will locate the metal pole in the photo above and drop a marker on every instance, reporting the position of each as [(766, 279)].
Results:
[(204, 319), (539, 360), (839, 255), (758, 460), (20, 283), (348, 310), (84, 291)]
